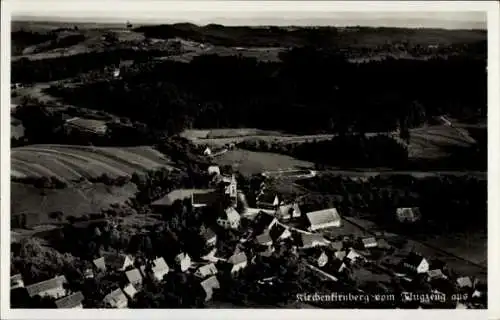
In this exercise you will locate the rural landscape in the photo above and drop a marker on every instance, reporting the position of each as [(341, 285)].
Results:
[(211, 166)]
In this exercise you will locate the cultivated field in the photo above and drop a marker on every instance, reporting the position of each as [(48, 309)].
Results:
[(71, 163), (250, 162)]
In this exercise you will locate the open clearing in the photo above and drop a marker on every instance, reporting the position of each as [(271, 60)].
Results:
[(70, 163), (250, 162), (73, 201)]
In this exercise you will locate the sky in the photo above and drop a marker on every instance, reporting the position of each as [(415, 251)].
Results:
[(161, 12)]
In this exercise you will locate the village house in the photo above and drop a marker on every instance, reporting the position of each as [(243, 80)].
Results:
[(130, 291), (134, 277), (159, 268), (337, 245), (73, 301), (100, 264), (209, 285), (368, 243), (353, 256), (320, 258), (268, 200), (16, 281), (340, 255), (206, 271), (207, 151), (208, 236), (264, 240), (311, 240), (88, 274), (288, 211), (118, 261), (116, 299), (237, 262), (204, 199), (435, 274), (229, 219), (82, 125), (162, 204), (323, 219), (416, 263), (52, 287), (408, 215), (183, 260), (279, 233), (338, 266), (213, 170), (464, 282)]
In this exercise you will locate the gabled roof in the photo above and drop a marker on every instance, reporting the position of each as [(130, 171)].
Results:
[(100, 263), (309, 238), (408, 213), (133, 276), (70, 301), (287, 210), (337, 265), (263, 238), (86, 124), (267, 197), (337, 245), (130, 290), (369, 241), (115, 260), (179, 194), (413, 259), (37, 288), (16, 277), (264, 219), (205, 198), (159, 265), (353, 255), (435, 274), (209, 285), (231, 214), (207, 234), (323, 216), (181, 256), (115, 297), (464, 282), (237, 258), (207, 270)]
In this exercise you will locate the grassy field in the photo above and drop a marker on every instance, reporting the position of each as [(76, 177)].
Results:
[(76, 200), (249, 162), (70, 163)]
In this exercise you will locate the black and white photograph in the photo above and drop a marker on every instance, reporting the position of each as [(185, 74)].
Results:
[(250, 159)]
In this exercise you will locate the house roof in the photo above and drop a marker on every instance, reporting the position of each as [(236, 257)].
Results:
[(323, 216), (181, 256), (276, 231), (100, 263), (353, 254), (130, 290), (413, 259), (237, 258), (340, 255), (208, 270), (37, 288), (464, 282), (309, 238), (204, 198), (115, 297), (263, 238), (133, 276), (408, 213), (87, 124), (436, 273), (337, 264), (16, 277), (210, 284), (368, 241), (178, 194), (70, 301), (264, 219), (232, 214), (267, 197), (159, 265), (287, 209), (207, 234), (337, 245)]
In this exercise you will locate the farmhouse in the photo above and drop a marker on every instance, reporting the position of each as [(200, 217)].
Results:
[(311, 240), (116, 299), (130, 291), (86, 125), (206, 271), (323, 219), (408, 215), (337, 245), (354, 256), (278, 232), (264, 239), (238, 261), (435, 274), (100, 264), (209, 236), (288, 211), (464, 282), (134, 277), (159, 268), (340, 255), (16, 281), (52, 287), (416, 263), (320, 258), (368, 243), (73, 301), (229, 219), (209, 285), (184, 261)]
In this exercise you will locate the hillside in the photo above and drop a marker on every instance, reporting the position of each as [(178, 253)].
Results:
[(71, 163)]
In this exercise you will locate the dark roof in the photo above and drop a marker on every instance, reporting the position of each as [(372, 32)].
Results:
[(16, 277), (413, 259), (70, 301), (178, 194), (276, 231), (263, 219), (115, 260), (100, 263), (207, 234), (39, 287), (267, 197), (204, 198)]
